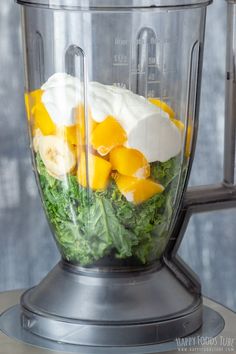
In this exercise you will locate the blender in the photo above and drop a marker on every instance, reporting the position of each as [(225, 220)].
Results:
[(112, 99)]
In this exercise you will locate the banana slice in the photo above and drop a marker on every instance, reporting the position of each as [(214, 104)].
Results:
[(56, 155), (38, 135)]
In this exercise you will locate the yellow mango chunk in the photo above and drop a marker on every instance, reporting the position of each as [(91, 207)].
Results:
[(129, 162), (189, 141), (137, 190), (180, 125), (80, 119), (27, 105), (37, 112), (164, 106), (69, 134), (98, 171), (42, 120), (75, 134), (107, 135), (31, 99)]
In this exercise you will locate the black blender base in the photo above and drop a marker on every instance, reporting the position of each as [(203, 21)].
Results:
[(111, 309)]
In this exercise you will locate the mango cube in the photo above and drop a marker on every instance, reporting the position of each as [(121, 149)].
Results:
[(189, 141), (129, 162), (42, 120), (37, 112), (137, 190), (69, 134), (80, 120), (107, 135), (31, 99), (75, 134), (98, 171), (163, 105), (166, 108), (180, 125)]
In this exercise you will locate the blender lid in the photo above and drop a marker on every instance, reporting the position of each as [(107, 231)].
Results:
[(114, 4)]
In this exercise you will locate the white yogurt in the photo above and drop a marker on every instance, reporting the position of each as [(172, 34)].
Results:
[(62, 93), (149, 129)]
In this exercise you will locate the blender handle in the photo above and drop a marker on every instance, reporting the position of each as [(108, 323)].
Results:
[(222, 195), (230, 97)]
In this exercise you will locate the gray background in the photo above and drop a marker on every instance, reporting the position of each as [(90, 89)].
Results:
[(27, 251)]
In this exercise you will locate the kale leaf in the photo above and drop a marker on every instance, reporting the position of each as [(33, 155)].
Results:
[(90, 225)]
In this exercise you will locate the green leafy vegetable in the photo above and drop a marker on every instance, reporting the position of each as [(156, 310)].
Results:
[(90, 225), (166, 172)]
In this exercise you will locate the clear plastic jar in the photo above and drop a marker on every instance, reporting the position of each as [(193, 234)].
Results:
[(112, 97)]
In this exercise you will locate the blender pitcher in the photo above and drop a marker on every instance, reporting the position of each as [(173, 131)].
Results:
[(112, 99)]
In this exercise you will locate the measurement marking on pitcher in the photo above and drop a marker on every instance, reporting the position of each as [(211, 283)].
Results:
[(121, 59), (147, 59), (133, 72), (120, 84), (120, 64), (153, 82)]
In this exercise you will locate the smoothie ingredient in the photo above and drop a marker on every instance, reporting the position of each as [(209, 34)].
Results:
[(62, 93), (163, 105), (81, 122), (149, 129), (38, 114), (162, 144), (31, 99), (108, 179), (129, 162), (42, 120), (57, 156), (36, 139), (180, 125), (98, 171), (107, 135), (137, 116), (69, 134), (137, 190), (92, 225), (189, 141)]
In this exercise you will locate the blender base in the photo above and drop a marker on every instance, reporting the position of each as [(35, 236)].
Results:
[(77, 306), (17, 340)]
